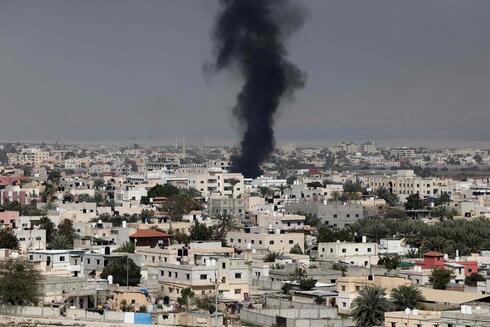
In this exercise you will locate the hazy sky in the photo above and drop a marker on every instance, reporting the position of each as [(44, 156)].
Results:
[(118, 69)]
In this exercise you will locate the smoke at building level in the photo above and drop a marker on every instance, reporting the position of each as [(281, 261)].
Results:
[(249, 35)]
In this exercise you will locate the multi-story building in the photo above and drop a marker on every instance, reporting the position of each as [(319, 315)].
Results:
[(211, 181), (31, 239), (274, 241), (336, 214), (358, 254), (405, 183), (229, 275), (31, 157)]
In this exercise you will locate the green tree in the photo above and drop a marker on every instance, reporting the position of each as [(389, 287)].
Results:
[(12, 206), (8, 240), (19, 282), (46, 224), (286, 288), (200, 232), (226, 223), (414, 202), (390, 262), (306, 283), (370, 306), (265, 191), (473, 279), (204, 302), (66, 229), (390, 198), (353, 187), (296, 249), (60, 242), (340, 266), (444, 213), (440, 278), (407, 296), (180, 204), (443, 199), (126, 247), (186, 295), (99, 183), (165, 190), (122, 268), (146, 215)]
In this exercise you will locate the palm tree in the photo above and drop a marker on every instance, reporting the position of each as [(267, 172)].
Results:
[(444, 213), (226, 224), (60, 242), (370, 306), (407, 296), (126, 247)]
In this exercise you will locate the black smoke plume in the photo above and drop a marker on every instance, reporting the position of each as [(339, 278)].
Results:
[(249, 36)]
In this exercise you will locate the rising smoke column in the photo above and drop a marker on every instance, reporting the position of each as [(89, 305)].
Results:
[(249, 35)]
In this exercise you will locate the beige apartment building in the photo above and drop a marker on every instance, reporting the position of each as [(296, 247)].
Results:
[(213, 181), (275, 241), (230, 276), (412, 318), (32, 157), (358, 254), (405, 183)]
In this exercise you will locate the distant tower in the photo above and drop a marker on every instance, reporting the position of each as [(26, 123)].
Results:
[(176, 144), (183, 147)]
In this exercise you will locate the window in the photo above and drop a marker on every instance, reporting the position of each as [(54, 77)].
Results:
[(223, 265), (62, 258), (238, 291), (188, 276), (344, 304), (203, 277), (271, 242), (358, 288), (238, 275), (357, 250), (369, 249), (343, 288), (344, 250), (291, 242), (393, 324), (169, 274), (162, 273), (176, 275)]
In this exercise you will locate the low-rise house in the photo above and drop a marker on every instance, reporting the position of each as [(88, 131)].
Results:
[(348, 288), (412, 318), (149, 237), (31, 239)]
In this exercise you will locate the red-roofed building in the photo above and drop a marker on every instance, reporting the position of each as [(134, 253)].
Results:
[(149, 237), (433, 259)]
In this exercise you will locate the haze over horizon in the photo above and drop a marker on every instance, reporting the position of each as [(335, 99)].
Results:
[(391, 71)]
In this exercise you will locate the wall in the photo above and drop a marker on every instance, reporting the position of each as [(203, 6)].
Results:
[(14, 310)]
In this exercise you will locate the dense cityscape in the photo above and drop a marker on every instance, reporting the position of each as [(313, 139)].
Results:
[(345, 235), (228, 163)]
